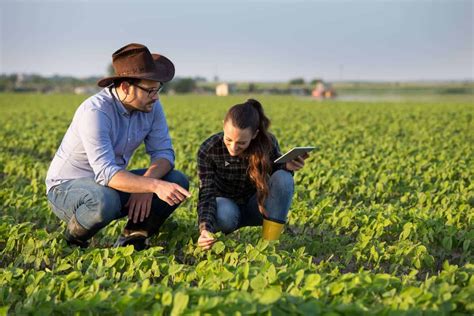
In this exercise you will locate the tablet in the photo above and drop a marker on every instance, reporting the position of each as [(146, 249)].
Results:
[(293, 153)]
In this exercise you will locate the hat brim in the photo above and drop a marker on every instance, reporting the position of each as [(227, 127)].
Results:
[(165, 72)]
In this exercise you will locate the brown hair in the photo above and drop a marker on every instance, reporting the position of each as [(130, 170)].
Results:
[(131, 81), (250, 115)]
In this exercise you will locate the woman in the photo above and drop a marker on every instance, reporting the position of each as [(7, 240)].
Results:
[(239, 185)]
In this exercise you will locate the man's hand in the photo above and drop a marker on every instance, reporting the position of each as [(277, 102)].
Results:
[(206, 240), (139, 206), (297, 163), (171, 193)]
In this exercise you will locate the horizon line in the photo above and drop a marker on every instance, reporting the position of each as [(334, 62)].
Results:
[(255, 81)]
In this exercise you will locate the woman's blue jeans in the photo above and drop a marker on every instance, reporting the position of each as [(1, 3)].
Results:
[(231, 216), (95, 206)]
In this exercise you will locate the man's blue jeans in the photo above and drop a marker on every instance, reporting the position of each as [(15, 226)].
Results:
[(231, 216), (95, 206)]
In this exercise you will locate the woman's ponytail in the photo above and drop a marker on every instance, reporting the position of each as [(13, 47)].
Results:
[(251, 114)]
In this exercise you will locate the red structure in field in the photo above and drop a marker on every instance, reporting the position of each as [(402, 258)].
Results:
[(323, 90)]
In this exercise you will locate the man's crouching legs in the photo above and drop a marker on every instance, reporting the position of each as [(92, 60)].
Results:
[(136, 234), (86, 206)]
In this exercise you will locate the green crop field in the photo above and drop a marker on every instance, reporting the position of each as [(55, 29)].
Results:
[(382, 221)]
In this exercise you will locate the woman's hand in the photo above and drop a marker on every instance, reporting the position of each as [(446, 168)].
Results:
[(206, 240), (297, 163)]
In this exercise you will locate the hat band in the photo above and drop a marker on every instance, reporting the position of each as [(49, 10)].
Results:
[(132, 71)]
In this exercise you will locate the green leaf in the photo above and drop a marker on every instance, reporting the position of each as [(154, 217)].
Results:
[(226, 275), (412, 292), (299, 276), (174, 268), (312, 280), (167, 298), (447, 243), (111, 262), (465, 245), (336, 288), (245, 270), (245, 285), (417, 263), (311, 308), (406, 231), (180, 302), (262, 245), (269, 296), (4, 310), (258, 283), (73, 275), (218, 247), (63, 267), (127, 251), (374, 253), (271, 274)]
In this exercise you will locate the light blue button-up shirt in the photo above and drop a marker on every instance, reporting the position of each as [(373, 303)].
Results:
[(102, 138)]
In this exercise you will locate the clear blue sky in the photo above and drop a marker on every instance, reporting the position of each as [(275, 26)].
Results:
[(245, 40)]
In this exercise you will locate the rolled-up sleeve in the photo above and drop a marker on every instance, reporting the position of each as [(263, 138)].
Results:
[(158, 141), (94, 131)]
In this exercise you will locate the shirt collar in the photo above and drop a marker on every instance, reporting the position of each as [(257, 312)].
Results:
[(117, 102)]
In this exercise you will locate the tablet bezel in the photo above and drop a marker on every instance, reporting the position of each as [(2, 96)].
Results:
[(293, 153)]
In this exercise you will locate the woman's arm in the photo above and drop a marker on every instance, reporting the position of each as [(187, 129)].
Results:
[(207, 207), (290, 166)]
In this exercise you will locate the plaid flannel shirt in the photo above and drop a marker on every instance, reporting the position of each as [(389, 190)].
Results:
[(222, 175)]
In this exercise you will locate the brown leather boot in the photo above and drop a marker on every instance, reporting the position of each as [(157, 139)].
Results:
[(76, 234), (137, 234), (138, 239)]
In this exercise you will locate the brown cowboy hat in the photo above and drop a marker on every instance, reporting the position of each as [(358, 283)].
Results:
[(135, 61)]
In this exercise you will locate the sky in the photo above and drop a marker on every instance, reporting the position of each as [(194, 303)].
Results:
[(245, 40)]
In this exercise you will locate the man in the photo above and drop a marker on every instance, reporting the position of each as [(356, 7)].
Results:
[(87, 183)]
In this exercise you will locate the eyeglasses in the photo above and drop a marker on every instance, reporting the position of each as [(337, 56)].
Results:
[(151, 91)]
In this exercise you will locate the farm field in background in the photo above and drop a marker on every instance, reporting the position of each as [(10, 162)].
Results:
[(382, 220)]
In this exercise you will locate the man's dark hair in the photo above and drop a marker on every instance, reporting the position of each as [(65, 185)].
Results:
[(118, 82)]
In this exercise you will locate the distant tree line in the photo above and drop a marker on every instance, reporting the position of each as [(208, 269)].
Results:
[(37, 83), (64, 84), (181, 85), (301, 81), (67, 84)]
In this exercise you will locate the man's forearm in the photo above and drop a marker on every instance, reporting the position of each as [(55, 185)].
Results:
[(126, 181), (158, 169)]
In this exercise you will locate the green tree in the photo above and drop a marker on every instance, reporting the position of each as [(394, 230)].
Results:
[(110, 70), (252, 87), (297, 81), (184, 85)]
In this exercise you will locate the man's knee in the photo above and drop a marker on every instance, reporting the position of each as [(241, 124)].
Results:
[(109, 200), (103, 206), (177, 177)]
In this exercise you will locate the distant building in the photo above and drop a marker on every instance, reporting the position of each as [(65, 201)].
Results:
[(224, 89), (20, 79), (85, 90)]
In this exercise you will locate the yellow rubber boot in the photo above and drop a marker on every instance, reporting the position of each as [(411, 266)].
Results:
[(271, 230)]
